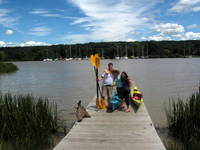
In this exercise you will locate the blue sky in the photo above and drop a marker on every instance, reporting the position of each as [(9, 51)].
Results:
[(41, 22)]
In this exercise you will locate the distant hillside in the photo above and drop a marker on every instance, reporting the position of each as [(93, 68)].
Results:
[(152, 49)]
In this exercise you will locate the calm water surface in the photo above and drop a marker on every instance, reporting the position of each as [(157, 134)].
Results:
[(68, 82)]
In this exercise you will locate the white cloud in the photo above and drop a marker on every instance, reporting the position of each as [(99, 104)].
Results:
[(169, 31), (47, 13), (186, 6), (39, 11), (180, 36), (111, 20), (187, 36), (28, 43), (33, 43), (169, 28), (44, 13), (51, 15), (192, 26), (40, 31), (192, 36), (157, 38), (60, 10), (2, 43), (130, 40), (9, 32), (6, 20)]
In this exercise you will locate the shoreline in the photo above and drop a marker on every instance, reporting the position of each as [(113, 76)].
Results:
[(6, 67), (7, 61)]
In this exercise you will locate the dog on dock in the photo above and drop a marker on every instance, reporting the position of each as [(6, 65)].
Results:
[(81, 112)]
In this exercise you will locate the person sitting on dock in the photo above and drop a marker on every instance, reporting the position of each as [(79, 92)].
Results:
[(107, 84), (126, 86)]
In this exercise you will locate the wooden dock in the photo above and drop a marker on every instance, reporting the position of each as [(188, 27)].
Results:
[(113, 131)]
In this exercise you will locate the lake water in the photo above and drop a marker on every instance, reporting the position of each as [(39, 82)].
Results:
[(68, 82)]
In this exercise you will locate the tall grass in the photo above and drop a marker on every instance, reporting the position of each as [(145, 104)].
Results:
[(26, 122), (183, 119), (7, 67), (190, 145), (174, 146)]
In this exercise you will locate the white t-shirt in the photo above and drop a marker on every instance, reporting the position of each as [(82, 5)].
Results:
[(107, 78)]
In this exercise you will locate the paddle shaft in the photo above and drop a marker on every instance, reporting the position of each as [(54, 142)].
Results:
[(100, 91), (97, 83)]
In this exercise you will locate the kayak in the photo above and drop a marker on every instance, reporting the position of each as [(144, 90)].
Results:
[(136, 96)]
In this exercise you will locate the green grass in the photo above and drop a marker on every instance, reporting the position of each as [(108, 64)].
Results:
[(174, 146), (183, 119), (7, 67), (190, 145), (26, 122)]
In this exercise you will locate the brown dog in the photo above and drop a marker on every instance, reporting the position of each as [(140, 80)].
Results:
[(81, 112)]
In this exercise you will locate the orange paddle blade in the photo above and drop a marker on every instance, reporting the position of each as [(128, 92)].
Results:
[(97, 61), (103, 104), (98, 106), (92, 60)]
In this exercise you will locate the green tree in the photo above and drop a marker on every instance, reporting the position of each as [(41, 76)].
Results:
[(62, 51), (2, 55)]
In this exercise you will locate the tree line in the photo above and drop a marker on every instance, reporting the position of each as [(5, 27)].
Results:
[(109, 50)]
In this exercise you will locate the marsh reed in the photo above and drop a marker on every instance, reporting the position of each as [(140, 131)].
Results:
[(183, 118), (26, 122), (7, 67)]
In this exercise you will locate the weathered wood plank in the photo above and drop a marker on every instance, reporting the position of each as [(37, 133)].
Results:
[(113, 131)]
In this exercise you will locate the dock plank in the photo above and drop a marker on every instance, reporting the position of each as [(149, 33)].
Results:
[(113, 131)]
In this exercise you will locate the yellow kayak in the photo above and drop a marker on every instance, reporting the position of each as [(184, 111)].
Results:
[(136, 96)]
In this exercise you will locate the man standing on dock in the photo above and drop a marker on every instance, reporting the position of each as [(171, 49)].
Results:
[(107, 84)]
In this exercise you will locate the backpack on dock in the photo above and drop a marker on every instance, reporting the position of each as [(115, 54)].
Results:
[(115, 102)]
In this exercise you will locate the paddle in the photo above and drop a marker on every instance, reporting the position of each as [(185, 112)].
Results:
[(97, 65), (95, 61)]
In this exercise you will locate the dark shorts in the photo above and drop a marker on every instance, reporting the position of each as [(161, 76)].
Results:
[(120, 92)]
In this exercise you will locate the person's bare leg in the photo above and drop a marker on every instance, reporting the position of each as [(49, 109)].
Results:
[(128, 109), (127, 102), (109, 95), (122, 104)]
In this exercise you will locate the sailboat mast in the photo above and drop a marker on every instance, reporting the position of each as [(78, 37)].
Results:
[(142, 50), (117, 50), (189, 49), (184, 49), (126, 51), (147, 49), (79, 51), (70, 51), (47, 53)]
